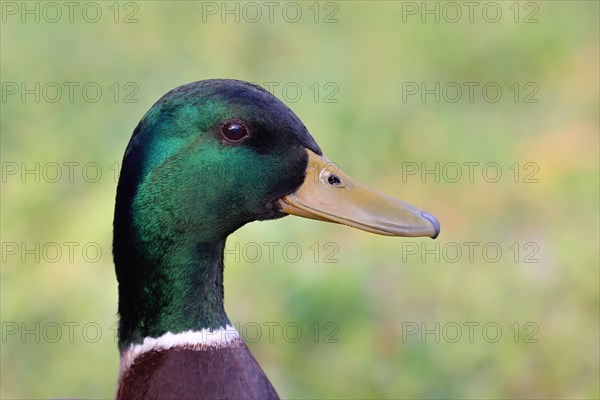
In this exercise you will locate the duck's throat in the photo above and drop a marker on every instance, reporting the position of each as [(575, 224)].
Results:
[(173, 290)]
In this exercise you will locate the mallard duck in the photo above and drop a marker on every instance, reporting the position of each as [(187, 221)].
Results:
[(207, 158)]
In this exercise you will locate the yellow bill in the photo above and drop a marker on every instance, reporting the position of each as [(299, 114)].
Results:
[(328, 194)]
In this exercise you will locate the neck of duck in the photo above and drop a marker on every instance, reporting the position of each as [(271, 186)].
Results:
[(169, 287)]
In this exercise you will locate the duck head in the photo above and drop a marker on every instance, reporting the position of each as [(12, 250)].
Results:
[(207, 158)]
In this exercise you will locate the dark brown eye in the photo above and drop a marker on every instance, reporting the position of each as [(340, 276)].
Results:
[(234, 131)]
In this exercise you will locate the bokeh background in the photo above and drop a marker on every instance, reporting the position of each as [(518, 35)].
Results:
[(379, 317)]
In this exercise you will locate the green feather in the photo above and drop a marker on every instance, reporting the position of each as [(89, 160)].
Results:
[(183, 189)]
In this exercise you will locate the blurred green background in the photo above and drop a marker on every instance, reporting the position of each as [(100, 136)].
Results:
[(364, 312)]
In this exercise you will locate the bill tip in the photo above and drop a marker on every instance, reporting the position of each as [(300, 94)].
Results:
[(434, 222)]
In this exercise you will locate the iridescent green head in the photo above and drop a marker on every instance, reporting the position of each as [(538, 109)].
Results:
[(209, 157)]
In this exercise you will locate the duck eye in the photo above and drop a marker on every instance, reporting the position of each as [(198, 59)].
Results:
[(234, 131), (333, 180)]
